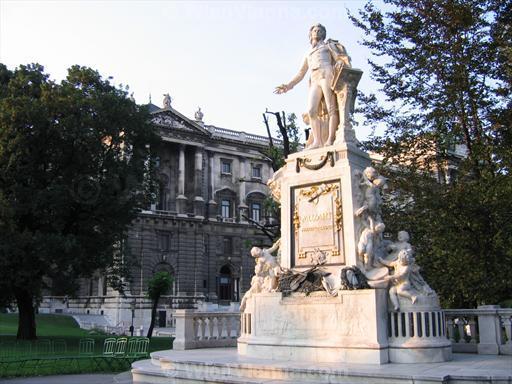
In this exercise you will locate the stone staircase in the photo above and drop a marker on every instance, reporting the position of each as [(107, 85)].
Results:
[(224, 365)]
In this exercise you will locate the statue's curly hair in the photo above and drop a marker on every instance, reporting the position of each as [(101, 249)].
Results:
[(324, 34)]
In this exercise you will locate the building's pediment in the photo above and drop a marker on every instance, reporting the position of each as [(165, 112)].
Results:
[(171, 119)]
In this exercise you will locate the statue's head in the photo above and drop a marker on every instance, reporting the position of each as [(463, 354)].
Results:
[(404, 257), (380, 227), (319, 31), (370, 173), (255, 252), (403, 236)]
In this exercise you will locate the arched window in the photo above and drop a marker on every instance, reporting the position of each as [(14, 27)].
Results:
[(255, 204)]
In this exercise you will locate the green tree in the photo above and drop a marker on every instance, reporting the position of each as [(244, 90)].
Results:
[(288, 132), (159, 285), (445, 71), (75, 167)]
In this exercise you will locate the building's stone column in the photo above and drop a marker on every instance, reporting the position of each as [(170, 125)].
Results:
[(212, 204), (242, 206), (198, 183), (181, 199)]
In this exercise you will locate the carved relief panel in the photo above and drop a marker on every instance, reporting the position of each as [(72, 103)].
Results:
[(317, 224)]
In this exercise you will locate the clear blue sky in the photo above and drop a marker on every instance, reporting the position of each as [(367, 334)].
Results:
[(225, 57)]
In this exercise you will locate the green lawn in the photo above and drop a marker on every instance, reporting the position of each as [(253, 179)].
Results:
[(47, 325), (57, 330)]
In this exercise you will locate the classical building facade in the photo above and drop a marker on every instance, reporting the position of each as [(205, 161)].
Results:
[(211, 182)]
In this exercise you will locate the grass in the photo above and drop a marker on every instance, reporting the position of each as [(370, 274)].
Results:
[(28, 358), (47, 325)]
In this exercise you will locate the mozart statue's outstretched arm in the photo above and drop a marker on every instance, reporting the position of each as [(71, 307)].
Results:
[(293, 82)]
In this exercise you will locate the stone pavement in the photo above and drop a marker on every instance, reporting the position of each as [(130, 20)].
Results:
[(123, 378)]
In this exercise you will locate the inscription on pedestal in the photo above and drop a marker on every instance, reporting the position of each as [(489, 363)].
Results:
[(317, 224)]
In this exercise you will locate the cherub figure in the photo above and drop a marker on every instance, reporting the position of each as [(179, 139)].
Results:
[(406, 280), (271, 266), (400, 279), (257, 283), (369, 241), (402, 244), (372, 183)]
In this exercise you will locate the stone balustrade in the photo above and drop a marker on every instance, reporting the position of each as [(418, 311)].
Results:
[(485, 330), (206, 329)]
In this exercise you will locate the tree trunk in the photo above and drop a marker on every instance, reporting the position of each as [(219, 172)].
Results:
[(27, 317), (153, 317)]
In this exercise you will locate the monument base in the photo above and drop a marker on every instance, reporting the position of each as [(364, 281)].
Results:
[(225, 365), (349, 328), (417, 333)]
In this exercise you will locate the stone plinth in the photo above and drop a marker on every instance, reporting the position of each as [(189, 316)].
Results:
[(318, 199), (417, 333), (351, 327)]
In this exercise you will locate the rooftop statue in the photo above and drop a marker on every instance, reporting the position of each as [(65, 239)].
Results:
[(167, 100)]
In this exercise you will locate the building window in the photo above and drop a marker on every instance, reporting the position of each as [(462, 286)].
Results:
[(228, 246), (225, 167), (164, 241), (225, 284), (256, 212), (256, 171), (225, 208)]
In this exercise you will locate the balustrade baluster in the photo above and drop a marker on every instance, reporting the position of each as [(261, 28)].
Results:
[(506, 320), (210, 328), (228, 327), (203, 327), (218, 326), (223, 328), (407, 325), (460, 327), (449, 329), (195, 323), (472, 329)]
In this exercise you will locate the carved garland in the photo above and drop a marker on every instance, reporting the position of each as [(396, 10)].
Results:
[(304, 162)]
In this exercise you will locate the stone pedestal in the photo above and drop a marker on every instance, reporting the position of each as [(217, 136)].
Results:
[(489, 329), (185, 332), (351, 327), (199, 207), (318, 200), (212, 210), (417, 332), (181, 205)]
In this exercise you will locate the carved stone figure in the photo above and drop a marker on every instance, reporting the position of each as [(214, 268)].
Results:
[(325, 61), (369, 243), (167, 100), (406, 280), (371, 183), (397, 246), (270, 264), (199, 114), (257, 283)]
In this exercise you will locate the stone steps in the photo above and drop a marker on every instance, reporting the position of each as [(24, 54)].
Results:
[(224, 365)]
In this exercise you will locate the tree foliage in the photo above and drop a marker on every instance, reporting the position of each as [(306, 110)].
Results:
[(289, 132), (159, 285), (74, 170), (445, 71)]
